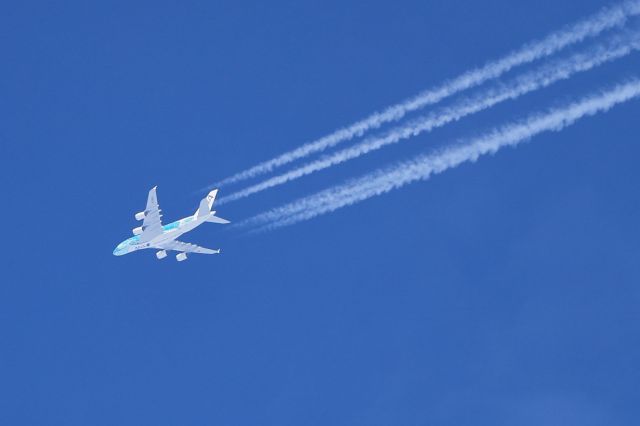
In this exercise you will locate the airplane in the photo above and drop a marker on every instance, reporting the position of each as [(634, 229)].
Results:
[(153, 235)]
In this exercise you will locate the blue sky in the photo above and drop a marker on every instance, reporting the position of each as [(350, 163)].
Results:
[(500, 292)]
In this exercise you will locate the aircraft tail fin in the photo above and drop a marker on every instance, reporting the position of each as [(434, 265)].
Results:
[(206, 204)]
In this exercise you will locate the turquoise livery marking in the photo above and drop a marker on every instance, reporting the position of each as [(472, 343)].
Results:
[(177, 224), (171, 226)]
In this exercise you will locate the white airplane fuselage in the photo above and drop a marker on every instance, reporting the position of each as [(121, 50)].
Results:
[(169, 232)]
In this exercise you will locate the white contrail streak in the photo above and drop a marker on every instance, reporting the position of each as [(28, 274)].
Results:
[(422, 167), (606, 19), (546, 75)]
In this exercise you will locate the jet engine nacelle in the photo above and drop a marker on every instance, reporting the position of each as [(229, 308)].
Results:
[(161, 254), (181, 256), (137, 231), (141, 215)]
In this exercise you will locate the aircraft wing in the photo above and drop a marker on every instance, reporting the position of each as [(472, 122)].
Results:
[(152, 225), (186, 247)]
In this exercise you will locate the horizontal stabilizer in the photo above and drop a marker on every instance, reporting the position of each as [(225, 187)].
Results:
[(216, 219)]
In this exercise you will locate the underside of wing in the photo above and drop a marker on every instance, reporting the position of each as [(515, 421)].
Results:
[(186, 247), (152, 225)]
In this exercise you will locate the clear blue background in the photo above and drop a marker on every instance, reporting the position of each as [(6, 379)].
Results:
[(500, 293)]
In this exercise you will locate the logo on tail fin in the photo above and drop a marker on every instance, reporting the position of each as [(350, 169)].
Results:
[(211, 198), (206, 204)]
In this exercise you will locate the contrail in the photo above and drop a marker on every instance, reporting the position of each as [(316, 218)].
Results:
[(422, 167), (607, 18), (546, 75)]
